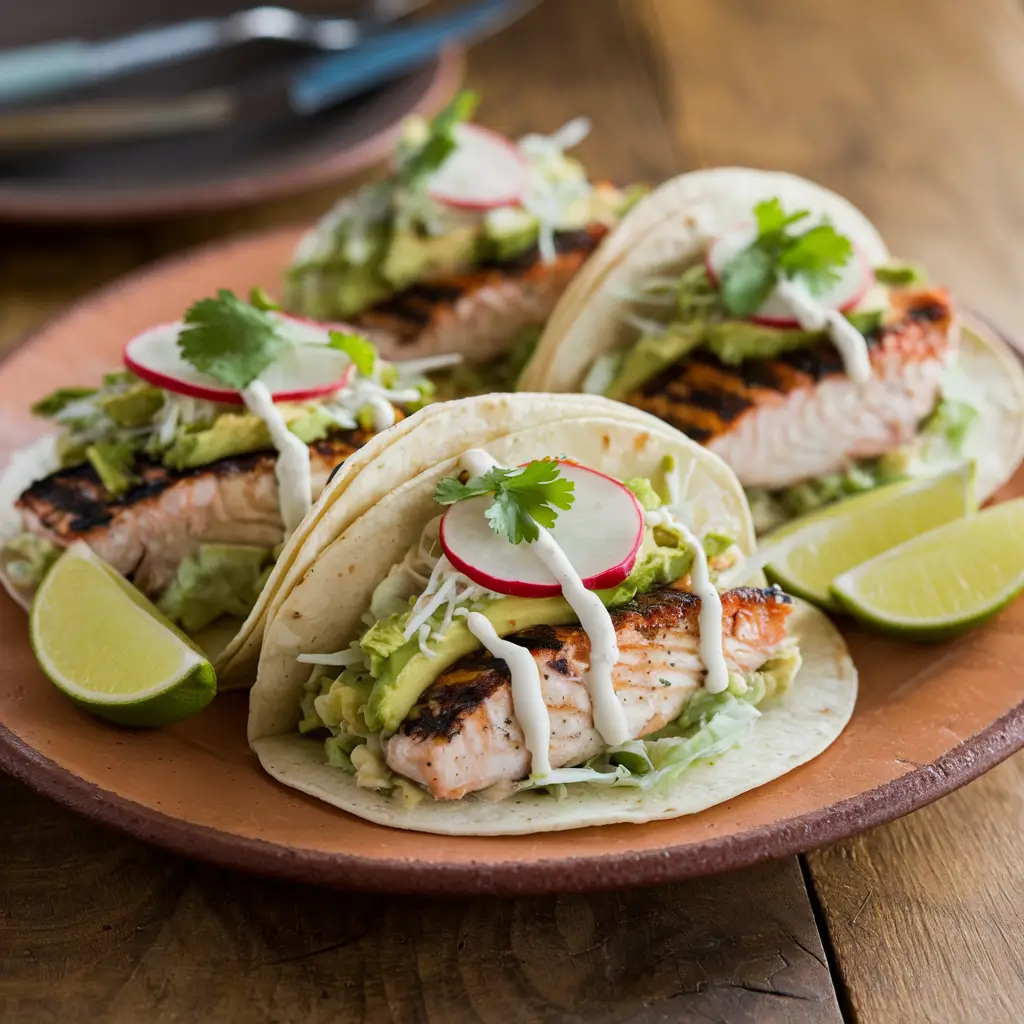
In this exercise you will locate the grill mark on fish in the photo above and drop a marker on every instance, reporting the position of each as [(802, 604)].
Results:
[(711, 401), (480, 311), (463, 735), (441, 711), (170, 513)]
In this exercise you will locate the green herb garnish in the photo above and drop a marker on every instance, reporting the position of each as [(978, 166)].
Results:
[(57, 401), (359, 349), (523, 497), (418, 163), (231, 340), (815, 255)]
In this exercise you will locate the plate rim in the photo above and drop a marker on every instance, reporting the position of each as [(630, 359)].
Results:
[(40, 206), (591, 873), (921, 785)]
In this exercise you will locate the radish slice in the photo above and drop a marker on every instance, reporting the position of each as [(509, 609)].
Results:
[(308, 370), (855, 278), (484, 171), (600, 535)]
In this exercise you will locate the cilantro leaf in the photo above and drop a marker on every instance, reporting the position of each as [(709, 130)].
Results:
[(358, 348), (231, 340), (773, 219), (523, 497), (440, 140), (748, 280), (816, 255)]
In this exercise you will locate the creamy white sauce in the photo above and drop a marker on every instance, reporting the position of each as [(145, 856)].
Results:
[(527, 694), (813, 316), (710, 618), (609, 716), (293, 472)]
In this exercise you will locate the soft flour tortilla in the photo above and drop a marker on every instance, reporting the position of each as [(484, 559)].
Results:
[(989, 375), (323, 613), (790, 732), (662, 235)]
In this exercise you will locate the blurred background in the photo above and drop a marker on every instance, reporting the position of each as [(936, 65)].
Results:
[(913, 110)]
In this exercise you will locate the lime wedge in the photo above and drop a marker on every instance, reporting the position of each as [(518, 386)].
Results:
[(944, 582), (815, 550), (102, 643)]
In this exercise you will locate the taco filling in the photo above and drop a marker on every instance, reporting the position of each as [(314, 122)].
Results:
[(498, 657), (425, 264), (190, 488), (812, 372)]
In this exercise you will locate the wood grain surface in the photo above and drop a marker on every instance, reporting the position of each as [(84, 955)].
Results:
[(914, 110)]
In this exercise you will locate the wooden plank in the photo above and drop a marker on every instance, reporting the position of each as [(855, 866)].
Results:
[(926, 915), (104, 929), (913, 110)]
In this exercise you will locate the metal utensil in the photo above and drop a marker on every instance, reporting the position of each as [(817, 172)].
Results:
[(314, 86), (37, 71)]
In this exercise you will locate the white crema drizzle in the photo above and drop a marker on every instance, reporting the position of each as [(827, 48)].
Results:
[(609, 717)]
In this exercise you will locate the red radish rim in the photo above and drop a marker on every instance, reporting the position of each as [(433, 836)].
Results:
[(867, 280), (512, 199), (610, 577), (229, 396)]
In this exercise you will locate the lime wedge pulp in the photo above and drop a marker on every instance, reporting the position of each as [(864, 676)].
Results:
[(102, 643), (817, 549), (944, 582)]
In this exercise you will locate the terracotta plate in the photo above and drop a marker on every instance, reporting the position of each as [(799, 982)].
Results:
[(255, 158), (929, 719)]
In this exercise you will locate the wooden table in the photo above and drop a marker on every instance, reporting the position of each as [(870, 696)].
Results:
[(915, 111)]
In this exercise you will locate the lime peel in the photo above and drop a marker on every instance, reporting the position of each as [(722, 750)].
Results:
[(110, 650), (812, 552), (944, 582)]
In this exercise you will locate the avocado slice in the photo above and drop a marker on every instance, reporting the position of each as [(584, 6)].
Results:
[(408, 672)]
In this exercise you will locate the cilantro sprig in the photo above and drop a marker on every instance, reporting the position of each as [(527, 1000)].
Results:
[(231, 340), (417, 164), (815, 255), (235, 341), (523, 497)]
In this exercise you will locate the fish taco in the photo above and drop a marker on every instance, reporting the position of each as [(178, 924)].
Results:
[(764, 316), (464, 249), (189, 469), (545, 632)]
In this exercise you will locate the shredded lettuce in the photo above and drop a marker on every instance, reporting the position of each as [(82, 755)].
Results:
[(27, 558), (219, 579)]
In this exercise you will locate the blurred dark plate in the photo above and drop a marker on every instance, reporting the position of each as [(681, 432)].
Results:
[(252, 160)]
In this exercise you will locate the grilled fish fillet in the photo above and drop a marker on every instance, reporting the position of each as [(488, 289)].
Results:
[(463, 734), (148, 532), (779, 421), (478, 313)]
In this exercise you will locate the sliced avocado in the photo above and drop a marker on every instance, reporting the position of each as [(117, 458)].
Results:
[(112, 461), (230, 434), (408, 672), (737, 340), (412, 257), (654, 353), (242, 433), (134, 408)]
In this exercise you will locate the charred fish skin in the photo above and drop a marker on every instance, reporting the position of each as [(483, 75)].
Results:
[(145, 533), (477, 313), (463, 736), (719, 405)]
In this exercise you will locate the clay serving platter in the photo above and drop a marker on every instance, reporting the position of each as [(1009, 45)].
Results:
[(928, 719)]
